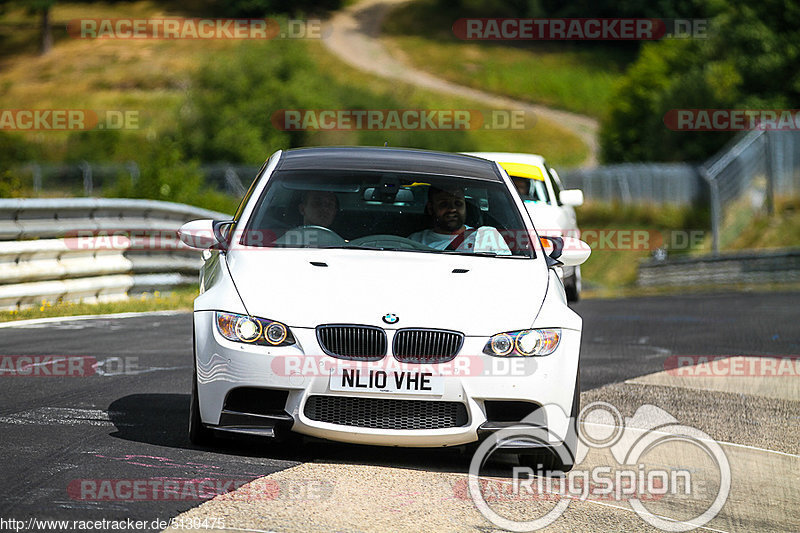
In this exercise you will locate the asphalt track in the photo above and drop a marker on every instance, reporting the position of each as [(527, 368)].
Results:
[(128, 421)]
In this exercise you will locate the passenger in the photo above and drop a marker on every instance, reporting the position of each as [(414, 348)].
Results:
[(318, 208), (448, 211)]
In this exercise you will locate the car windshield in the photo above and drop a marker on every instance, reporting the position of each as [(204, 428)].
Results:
[(387, 211)]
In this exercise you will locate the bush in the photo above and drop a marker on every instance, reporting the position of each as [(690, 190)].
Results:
[(166, 174), (234, 96)]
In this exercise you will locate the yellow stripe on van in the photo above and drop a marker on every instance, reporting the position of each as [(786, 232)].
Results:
[(523, 170)]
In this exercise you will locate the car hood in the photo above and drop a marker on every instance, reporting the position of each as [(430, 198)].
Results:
[(308, 287)]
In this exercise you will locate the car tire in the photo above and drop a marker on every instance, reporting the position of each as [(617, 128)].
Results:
[(199, 434), (572, 285), (551, 459)]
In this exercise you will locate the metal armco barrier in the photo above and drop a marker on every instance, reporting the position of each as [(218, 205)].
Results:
[(92, 249), (781, 266)]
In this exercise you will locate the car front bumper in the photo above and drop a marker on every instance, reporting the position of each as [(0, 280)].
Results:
[(304, 372)]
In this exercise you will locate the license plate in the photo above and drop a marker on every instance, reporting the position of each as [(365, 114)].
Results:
[(400, 382)]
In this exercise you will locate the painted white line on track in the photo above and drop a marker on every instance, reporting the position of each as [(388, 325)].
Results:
[(721, 442), (50, 320)]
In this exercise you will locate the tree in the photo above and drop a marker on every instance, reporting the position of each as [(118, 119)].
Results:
[(748, 61)]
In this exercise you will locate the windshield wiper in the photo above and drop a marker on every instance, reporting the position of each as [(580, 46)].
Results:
[(484, 254)]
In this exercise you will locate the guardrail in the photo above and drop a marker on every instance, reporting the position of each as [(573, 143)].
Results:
[(780, 266), (92, 249)]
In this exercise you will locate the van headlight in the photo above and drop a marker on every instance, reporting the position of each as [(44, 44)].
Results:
[(253, 330), (523, 343)]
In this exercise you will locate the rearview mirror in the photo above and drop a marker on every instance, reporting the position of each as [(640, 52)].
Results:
[(573, 197)]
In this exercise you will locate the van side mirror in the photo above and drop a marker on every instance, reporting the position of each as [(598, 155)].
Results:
[(573, 197)]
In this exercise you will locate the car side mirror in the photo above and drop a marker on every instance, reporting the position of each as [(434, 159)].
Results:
[(565, 251), (573, 197), (205, 234)]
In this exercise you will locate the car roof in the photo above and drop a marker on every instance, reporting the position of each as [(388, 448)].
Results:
[(384, 159)]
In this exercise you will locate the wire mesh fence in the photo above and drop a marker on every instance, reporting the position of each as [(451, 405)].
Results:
[(747, 175), (654, 183)]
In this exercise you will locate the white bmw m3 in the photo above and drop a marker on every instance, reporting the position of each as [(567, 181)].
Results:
[(383, 296)]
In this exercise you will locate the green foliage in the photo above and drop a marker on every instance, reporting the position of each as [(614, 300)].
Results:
[(93, 145), (576, 9), (166, 174), (260, 8), (661, 217), (11, 186), (748, 61), (14, 149), (228, 115)]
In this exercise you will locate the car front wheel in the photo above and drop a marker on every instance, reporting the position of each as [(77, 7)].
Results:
[(562, 457)]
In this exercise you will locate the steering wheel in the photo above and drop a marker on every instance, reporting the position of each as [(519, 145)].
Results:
[(311, 235), (316, 228), (388, 241)]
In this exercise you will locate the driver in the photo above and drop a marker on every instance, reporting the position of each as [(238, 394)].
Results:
[(448, 209), (318, 208), (522, 185)]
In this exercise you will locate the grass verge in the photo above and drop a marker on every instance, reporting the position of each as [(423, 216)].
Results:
[(562, 147), (570, 76), (175, 299), (624, 235)]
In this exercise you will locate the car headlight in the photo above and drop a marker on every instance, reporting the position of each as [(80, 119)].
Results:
[(523, 343), (253, 330)]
